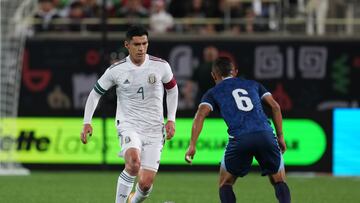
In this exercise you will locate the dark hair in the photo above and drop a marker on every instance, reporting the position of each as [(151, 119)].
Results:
[(136, 30), (223, 66)]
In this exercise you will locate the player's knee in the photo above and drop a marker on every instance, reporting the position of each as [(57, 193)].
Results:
[(277, 177), (225, 182), (133, 166), (132, 162)]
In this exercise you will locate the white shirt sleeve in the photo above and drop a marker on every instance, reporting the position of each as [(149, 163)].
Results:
[(91, 103), (172, 102), (171, 94), (105, 82), (167, 74)]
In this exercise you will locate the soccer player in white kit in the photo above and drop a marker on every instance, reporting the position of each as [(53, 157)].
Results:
[(140, 80)]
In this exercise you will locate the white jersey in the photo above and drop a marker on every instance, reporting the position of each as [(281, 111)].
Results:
[(140, 93)]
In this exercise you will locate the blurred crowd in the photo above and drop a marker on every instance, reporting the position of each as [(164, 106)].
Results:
[(194, 16)]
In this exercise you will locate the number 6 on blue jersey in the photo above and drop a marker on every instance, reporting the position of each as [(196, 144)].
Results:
[(242, 102)]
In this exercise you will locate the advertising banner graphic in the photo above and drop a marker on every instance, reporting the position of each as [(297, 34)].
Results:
[(50, 140), (57, 140)]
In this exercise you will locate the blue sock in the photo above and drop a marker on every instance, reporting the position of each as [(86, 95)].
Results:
[(282, 192), (227, 194)]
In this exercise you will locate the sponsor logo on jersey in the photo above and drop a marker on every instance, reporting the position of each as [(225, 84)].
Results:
[(126, 81), (152, 78), (127, 139)]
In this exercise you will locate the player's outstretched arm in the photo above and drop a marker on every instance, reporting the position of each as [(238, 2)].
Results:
[(277, 119), (202, 112), (171, 104), (90, 106)]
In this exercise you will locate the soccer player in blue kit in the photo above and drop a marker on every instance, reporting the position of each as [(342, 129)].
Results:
[(250, 134)]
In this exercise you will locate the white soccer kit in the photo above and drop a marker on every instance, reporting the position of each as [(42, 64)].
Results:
[(139, 112)]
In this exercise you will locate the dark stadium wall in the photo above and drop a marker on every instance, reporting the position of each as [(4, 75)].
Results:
[(303, 76)]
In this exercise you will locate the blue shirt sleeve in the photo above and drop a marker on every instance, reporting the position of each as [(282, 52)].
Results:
[(208, 100)]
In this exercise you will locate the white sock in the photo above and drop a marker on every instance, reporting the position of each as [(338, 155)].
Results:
[(124, 186), (140, 195)]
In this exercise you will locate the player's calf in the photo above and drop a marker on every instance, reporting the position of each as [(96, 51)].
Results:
[(282, 192), (226, 182), (227, 194)]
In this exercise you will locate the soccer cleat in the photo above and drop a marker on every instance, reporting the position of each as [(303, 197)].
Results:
[(131, 195)]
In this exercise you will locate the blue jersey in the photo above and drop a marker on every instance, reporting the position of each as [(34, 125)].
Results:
[(239, 102)]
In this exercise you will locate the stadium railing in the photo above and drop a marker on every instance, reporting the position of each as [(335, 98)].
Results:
[(334, 26)]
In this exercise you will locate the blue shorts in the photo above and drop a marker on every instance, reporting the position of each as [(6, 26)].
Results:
[(241, 150)]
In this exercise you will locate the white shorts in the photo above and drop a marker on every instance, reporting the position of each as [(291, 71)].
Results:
[(150, 147)]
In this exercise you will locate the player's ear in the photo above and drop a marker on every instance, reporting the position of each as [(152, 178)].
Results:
[(126, 44), (213, 76), (234, 72)]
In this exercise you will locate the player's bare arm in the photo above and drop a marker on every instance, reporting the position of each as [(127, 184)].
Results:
[(277, 118), (202, 112)]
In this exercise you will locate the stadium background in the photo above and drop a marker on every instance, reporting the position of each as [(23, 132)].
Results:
[(314, 77)]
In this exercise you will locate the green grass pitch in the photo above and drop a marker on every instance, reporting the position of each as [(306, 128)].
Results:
[(178, 187)]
